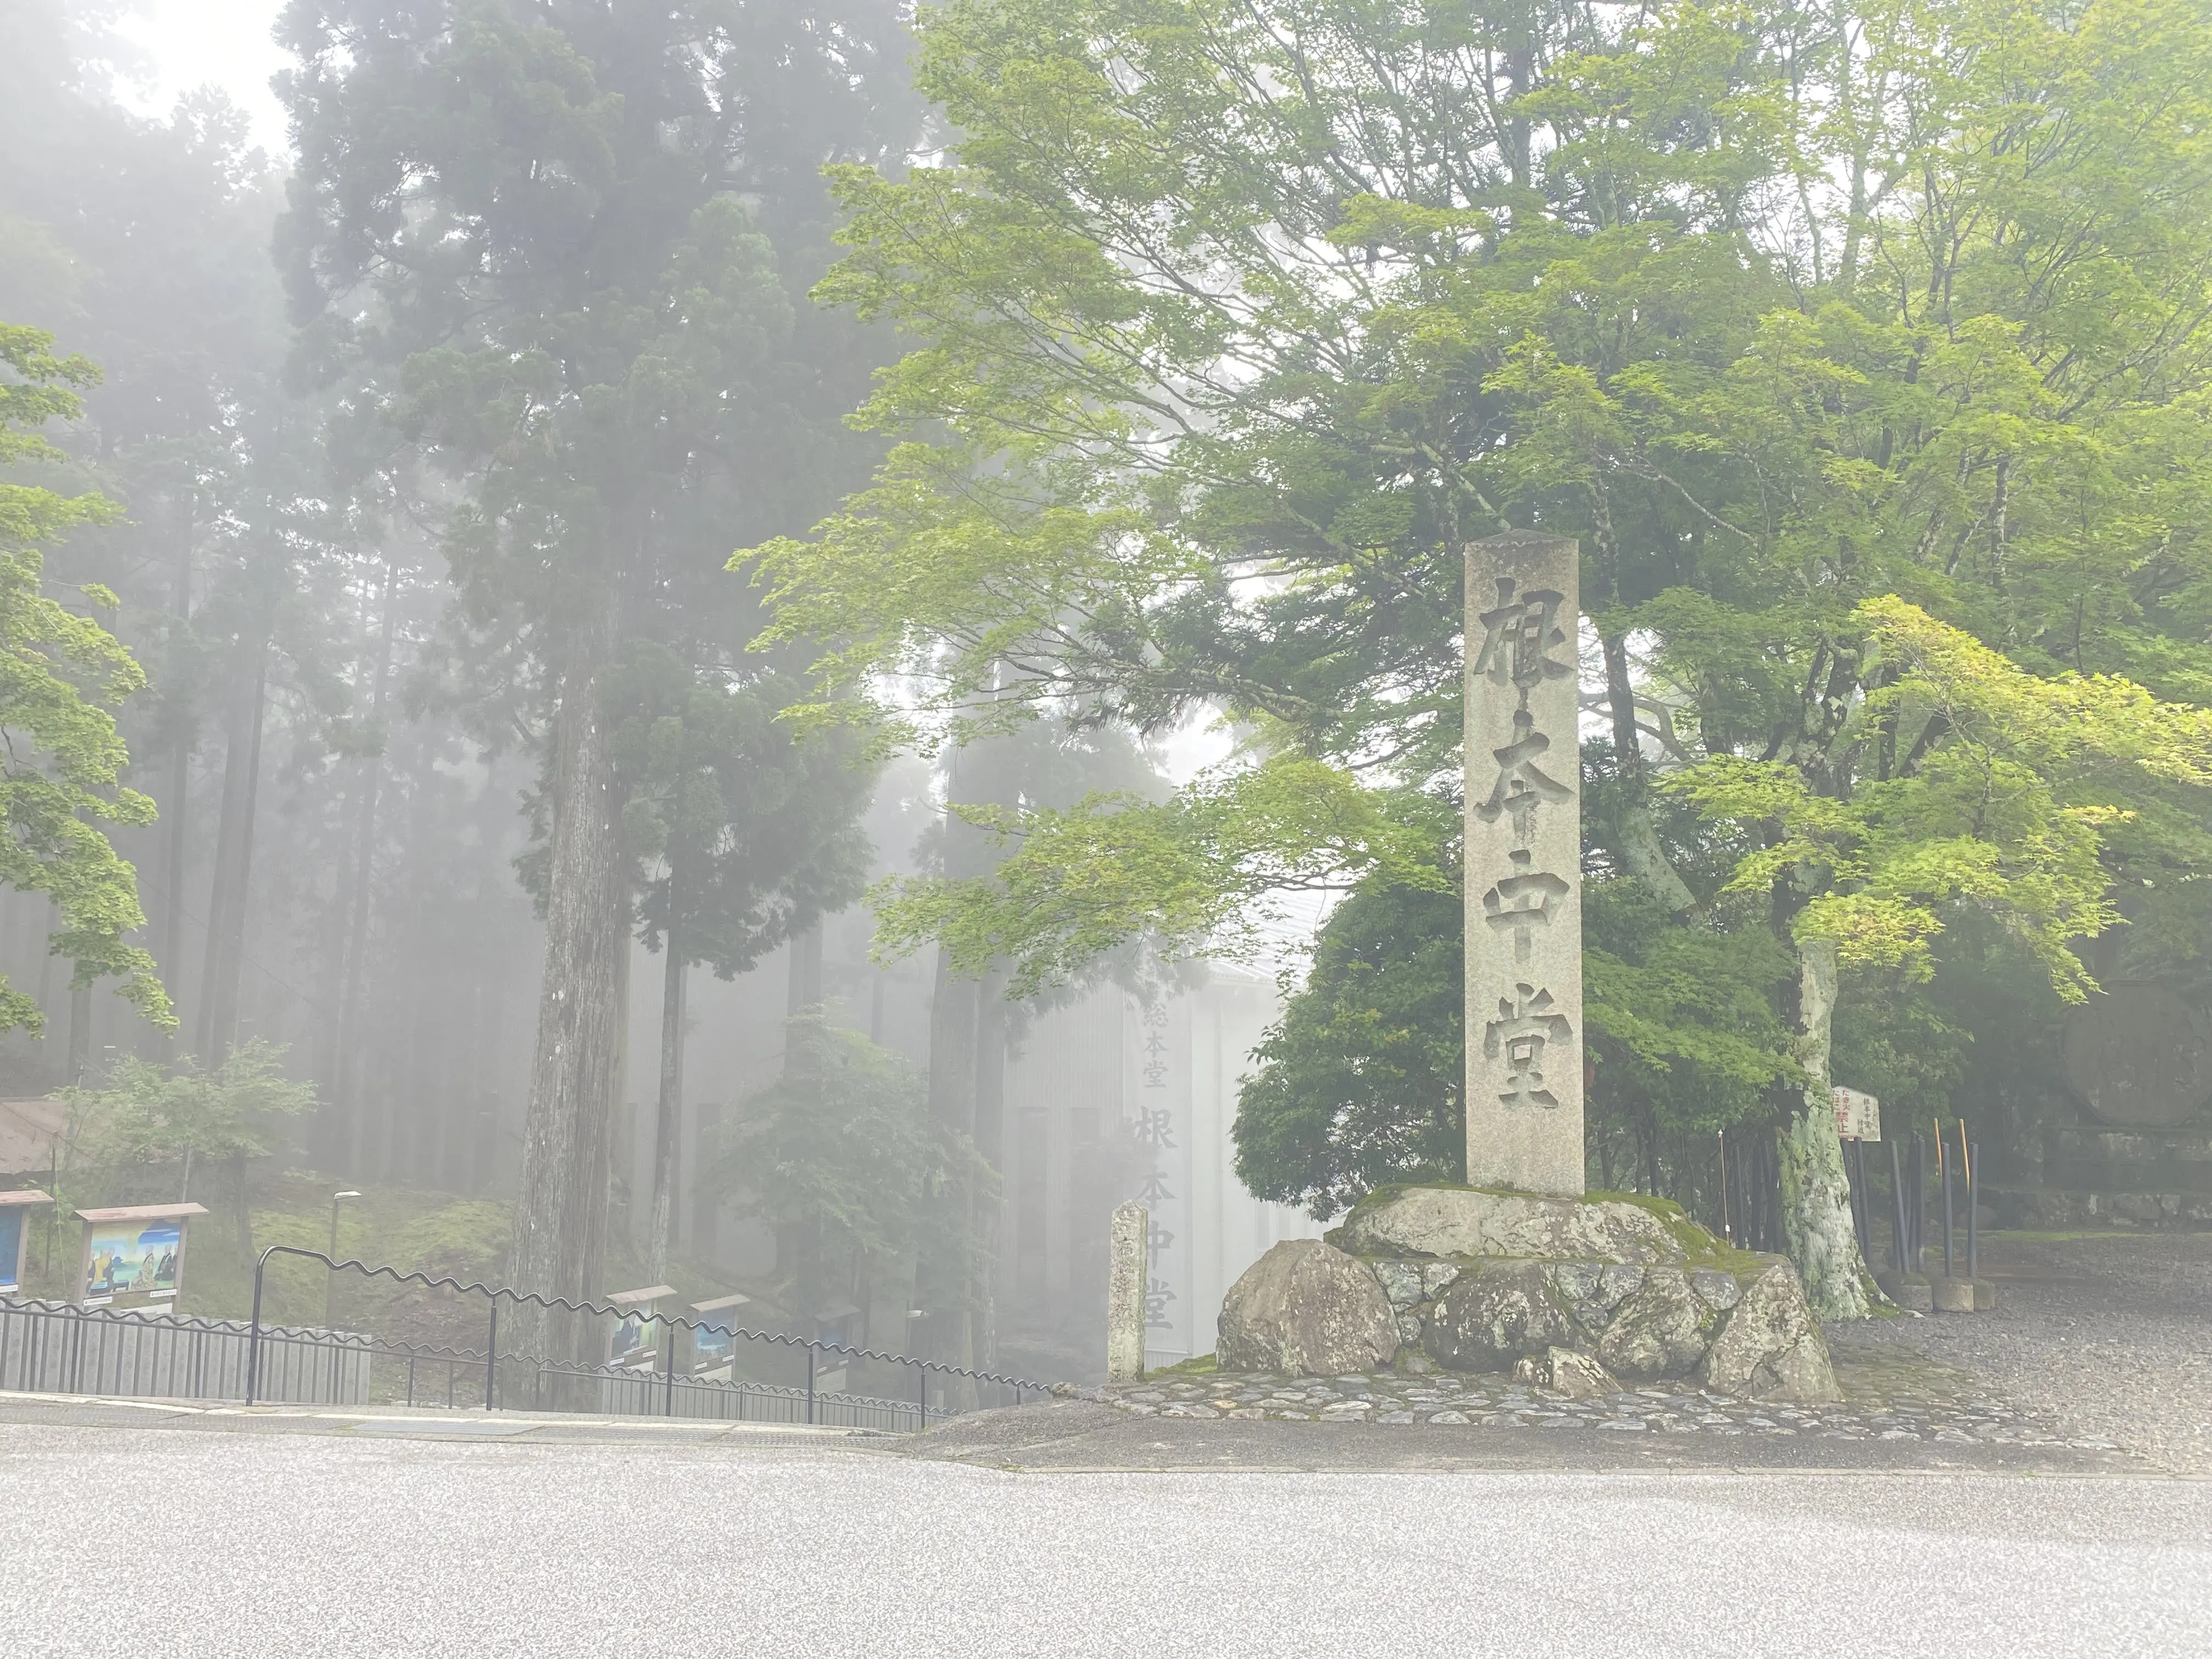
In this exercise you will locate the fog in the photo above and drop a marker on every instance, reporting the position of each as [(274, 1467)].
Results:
[(782, 651)]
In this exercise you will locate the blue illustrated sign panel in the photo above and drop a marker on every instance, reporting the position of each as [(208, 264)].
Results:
[(11, 1247), (630, 1338), (712, 1346)]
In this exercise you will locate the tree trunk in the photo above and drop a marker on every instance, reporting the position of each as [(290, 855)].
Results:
[(233, 867), (668, 1120), (706, 1198), (950, 1270), (46, 972), (803, 990), (990, 1145), (1641, 854), (1816, 1194), (357, 886), (561, 1209), (80, 1033), (945, 1273), (176, 805), (245, 1208)]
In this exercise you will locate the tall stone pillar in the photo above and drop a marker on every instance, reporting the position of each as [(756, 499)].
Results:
[(1523, 870)]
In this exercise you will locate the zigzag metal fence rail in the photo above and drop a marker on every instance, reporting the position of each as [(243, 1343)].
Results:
[(631, 1390)]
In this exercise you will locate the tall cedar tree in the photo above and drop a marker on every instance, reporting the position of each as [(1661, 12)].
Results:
[(531, 235)]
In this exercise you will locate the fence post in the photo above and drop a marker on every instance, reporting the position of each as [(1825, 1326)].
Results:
[(491, 1352), (1897, 1240), (668, 1375), (810, 1381), (1973, 1232), (921, 1371), (253, 1332)]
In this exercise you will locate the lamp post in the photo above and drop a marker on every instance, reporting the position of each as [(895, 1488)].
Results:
[(337, 1198)]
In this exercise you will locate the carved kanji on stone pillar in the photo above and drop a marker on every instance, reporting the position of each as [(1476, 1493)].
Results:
[(1524, 926)]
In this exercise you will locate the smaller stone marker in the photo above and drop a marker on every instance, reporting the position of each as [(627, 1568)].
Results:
[(1127, 1265)]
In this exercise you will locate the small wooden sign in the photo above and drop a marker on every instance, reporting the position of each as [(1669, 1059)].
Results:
[(1858, 1116)]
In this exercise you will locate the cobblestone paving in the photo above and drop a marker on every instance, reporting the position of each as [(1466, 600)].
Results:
[(1894, 1399)]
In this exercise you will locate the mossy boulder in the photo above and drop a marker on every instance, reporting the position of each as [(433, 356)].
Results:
[(1489, 1318), (1770, 1347), (1659, 1331), (1306, 1309), (1474, 1221), (1476, 1280)]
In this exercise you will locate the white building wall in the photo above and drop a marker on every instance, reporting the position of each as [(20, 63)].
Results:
[(1187, 1057)]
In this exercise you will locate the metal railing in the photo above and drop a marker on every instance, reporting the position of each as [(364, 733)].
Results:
[(631, 1390), (57, 1347)]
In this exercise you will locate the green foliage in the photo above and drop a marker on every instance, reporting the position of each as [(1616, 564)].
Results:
[(2006, 808), (1211, 294), (1681, 1018), (149, 1111), (842, 1159), (1084, 880), (1360, 1083), (61, 677), (745, 833)]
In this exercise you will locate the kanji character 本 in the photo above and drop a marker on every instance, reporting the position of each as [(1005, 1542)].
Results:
[(1158, 1295), (1522, 902), (1518, 634), (1526, 1022), (1521, 784), (1155, 1189), (1156, 1128)]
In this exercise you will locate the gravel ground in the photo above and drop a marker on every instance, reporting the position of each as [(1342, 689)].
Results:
[(124, 1541), (2107, 1336)]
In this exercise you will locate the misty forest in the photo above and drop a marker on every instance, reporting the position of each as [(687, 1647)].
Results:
[(686, 645)]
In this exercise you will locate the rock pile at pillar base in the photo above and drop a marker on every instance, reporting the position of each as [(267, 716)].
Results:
[(1568, 1293)]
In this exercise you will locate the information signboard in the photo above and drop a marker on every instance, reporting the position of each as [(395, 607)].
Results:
[(713, 1349), (134, 1256), (1858, 1116), (15, 1223), (636, 1338)]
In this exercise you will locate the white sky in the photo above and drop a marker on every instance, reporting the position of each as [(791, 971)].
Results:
[(195, 43)]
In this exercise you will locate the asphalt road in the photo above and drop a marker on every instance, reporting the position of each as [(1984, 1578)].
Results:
[(411, 1537)]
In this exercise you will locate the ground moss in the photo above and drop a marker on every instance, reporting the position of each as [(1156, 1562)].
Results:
[(1726, 1258), (1700, 1248), (1197, 1365)]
